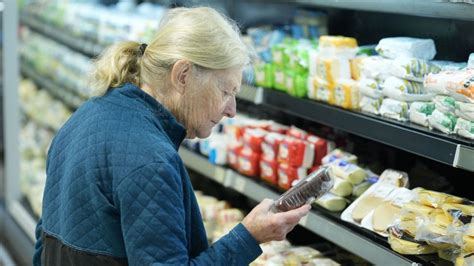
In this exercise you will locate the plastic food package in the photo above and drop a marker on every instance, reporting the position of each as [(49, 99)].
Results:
[(249, 162), (396, 47), (436, 199), (297, 133), (394, 177), (449, 65), (253, 138), (445, 104), (342, 187), (269, 171), (412, 68), (405, 90), (464, 128), (370, 87), (465, 260), (346, 94), (370, 105), (296, 83), (339, 154), (420, 111), (356, 64), (442, 122), (264, 75), (321, 90), (296, 152), (449, 81), (464, 110), (279, 78), (338, 46), (321, 148), (332, 68), (271, 143), (359, 189), (407, 245), (348, 171), (332, 202), (287, 174), (306, 190), (394, 109), (375, 67)]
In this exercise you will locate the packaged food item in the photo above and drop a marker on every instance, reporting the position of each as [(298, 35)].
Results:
[(339, 154), (321, 90), (277, 128), (271, 143), (233, 154), (442, 122), (356, 67), (306, 190), (332, 202), (359, 189), (348, 171), (296, 152), (445, 104), (395, 47), (342, 187), (375, 67), (370, 105), (370, 87), (346, 94), (288, 174), (449, 65), (448, 81), (321, 148), (436, 199), (264, 75), (470, 61), (296, 83), (464, 128), (253, 138), (405, 90), (420, 111), (365, 206), (338, 46), (394, 109), (249, 162), (297, 133), (464, 110), (403, 243), (279, 78), (280, 54), (332, 68), (394, 177), (465, 260), (412, 68), (269, 170)]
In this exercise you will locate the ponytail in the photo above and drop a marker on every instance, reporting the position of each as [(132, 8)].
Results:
[(117, 65)]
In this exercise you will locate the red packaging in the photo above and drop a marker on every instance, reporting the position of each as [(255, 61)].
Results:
[(296, 133), (233, 157), (287, 174), (296, 152), (271, 143), (277, 128), (249, 162), (253, 138), (320, 148), (269, 171)]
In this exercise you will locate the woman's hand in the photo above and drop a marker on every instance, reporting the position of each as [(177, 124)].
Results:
[(265, 225)]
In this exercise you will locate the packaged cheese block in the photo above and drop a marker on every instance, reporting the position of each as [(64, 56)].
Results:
[(445, 104), (464, 128), (332, 202), (370, 105), (405, 90), (412, 68), (394, 109), (296, 152), (297, 133), (271, 143), (249, 162), (464, 110), (420, 111), (465, 260), (338, 46), (370, 87), (341, 187), (460, 213), (321, 148), (449, 81), (277, 128), (233, 154), (442, 122), (384, 216), (348, 171), (359, 189), (287, 174), (375, 67), (405, 244), (269, 170), (264, 75), (396, 47), (356, 67), (339, 154), (468, 244), (346, 94), (365, 206), (321, 90), (332, 68), (436, 199)]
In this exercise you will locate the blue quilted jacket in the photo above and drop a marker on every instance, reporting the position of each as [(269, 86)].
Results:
[(117, 192)]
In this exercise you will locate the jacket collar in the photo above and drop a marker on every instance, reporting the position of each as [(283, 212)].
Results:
[(175, 131)]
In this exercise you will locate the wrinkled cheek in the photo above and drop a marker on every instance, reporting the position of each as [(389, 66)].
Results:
[(200, 109)]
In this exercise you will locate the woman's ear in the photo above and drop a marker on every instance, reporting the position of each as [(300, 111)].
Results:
[(181, 74)]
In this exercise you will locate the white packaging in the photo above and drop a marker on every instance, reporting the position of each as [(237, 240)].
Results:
[(442, 122), (394, 109), (395, 47), (405, 90), (332, 68), (370, 105), (412, 68), (465, 110), (445, 81), (370, 87), (420, 111), (470, 61), (445, 104), (375, 67), (464, 128)]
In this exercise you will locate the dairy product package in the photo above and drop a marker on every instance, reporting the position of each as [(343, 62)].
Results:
[(339, 154), (395, 47), (342, 187), (253, 138), (233, 154), (445, 104), (405, 244), (296, 83), (348, 171), (321, 90), (359, 189), (464, 128), (279, 78), (264, 75), (338, 46), (346, 94), (296, 152), (375, 67), (370, 88), (269, 170), (270, 145), (321, 148), (356, 64), (370, 105), (442, 122), (464, 110), (332, 202), (248, 162), (288, 174), (449, 65), (412, 68), (405, 90), (297, 133), (449, 81), (394, 109), (420, 111), (332, 68), (306, 190)]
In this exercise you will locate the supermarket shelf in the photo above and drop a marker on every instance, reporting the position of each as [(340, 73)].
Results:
[(77, 44), (451, 150), (423, 8), (250, 94), (70, 99), (317, 222)]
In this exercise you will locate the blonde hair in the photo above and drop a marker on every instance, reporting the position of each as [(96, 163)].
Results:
[(200, 35)]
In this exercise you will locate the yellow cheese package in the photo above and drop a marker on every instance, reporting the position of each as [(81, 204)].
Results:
[(338, 46), (346, 94), (332, 68), (332, 202), (321, 90), (407, 245), (348, 171)]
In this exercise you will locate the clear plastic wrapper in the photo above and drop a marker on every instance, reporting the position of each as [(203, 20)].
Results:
[(342, 187), (395, 47), (450, 82), (464, 128), (436, 199), (332, 202), (394, 109), (346, 94), (405, 90), (420, 111), (371, 105), (442, 122), (465, 259), (412, 68), (403, 243), (306, 190)]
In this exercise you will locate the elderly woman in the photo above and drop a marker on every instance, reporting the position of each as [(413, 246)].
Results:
[(117, 192)]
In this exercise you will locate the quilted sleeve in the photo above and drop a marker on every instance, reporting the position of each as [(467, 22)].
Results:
[(150, 201)]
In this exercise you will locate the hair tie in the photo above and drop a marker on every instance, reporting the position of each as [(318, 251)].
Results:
[(142, 48)]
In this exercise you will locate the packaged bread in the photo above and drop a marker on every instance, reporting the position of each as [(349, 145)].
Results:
[(332, 202), (412, 68), (420, 111), (397, 47), (394, 109)]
